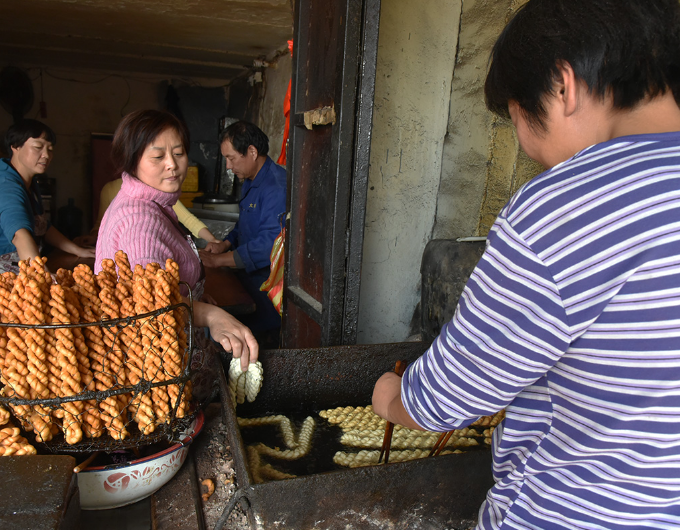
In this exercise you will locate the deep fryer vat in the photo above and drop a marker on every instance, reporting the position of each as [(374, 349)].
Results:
[(432, 493)]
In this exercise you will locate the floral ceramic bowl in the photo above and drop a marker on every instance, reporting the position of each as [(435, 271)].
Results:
[(102, 488)]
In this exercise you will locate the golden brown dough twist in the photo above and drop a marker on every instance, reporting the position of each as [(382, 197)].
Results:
[(87, 290), (14, 371), (107, 277), (12, 443), (65, 278), (91, 421), (124, 271), (114, 360), (168, 343), (172, 270), (141, 405), (38, 362), (71, 383), (144, 303)]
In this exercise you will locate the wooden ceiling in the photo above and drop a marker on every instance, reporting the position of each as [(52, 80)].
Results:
[(209, 39)]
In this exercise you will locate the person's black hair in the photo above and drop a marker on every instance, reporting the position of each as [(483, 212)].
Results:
[(243, 134), (21, 131), (136, 131), (629, 49)]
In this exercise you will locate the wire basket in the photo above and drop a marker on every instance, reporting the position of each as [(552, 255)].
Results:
[(136, 390)]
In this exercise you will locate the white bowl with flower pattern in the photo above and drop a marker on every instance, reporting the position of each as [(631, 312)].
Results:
[(102, 488)]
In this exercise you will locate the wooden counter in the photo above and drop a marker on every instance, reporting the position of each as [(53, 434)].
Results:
[(223, 285), (220, 283)]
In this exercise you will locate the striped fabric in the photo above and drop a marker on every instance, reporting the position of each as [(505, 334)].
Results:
[(571, 321)]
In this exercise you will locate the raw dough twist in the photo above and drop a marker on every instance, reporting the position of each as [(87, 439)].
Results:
[(244, 384), (297, 447)]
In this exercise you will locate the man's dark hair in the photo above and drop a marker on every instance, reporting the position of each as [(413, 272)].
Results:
[(629, 49), (21, 131), (136, 131), (243, 134)]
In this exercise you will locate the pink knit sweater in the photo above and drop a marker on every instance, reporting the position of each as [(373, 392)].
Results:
[(134, 223)]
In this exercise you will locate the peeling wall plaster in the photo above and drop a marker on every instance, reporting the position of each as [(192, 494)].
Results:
[(271, 120)]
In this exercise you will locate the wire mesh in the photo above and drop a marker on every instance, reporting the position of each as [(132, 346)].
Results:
[(102, 386)]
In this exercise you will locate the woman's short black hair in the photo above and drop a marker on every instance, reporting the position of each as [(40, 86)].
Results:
[(21, 131), (136, 131), (629, 49), (243, 134)]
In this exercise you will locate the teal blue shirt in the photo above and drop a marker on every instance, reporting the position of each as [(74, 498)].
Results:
[(18, 208)]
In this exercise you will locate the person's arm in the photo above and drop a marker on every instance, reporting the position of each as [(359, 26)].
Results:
[(225, 329), (510, 328), (218, 247), (26, 246), (193, 223), (226, 259), (207, 235), (387, 401), (58, 240)]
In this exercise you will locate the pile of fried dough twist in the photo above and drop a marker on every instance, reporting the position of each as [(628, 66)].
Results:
[(67, 361)]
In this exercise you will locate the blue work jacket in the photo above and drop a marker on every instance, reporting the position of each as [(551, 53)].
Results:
[(263, 200)]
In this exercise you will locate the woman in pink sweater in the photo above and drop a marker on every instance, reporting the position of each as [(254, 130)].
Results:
[(150, 148)]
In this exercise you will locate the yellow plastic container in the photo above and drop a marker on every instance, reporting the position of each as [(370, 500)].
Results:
[(187, 198), (190, 183)]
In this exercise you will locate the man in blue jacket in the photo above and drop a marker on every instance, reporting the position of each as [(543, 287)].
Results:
[(261, 207)]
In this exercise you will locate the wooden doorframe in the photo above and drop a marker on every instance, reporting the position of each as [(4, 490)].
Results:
[(327, 195)]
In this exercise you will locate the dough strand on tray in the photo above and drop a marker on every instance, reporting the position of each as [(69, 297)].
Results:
[(365, 430)]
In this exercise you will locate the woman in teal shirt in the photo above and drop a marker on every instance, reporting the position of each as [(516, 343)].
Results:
[(23, 225)]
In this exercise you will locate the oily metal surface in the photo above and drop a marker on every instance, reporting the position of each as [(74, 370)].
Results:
[(38, 492), (442, 492), (320, 378)]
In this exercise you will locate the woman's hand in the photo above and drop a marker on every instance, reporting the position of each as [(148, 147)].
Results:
[(217, 260), (217, 247), (83, 252), (58, 240), (88, 240), (234, 336)]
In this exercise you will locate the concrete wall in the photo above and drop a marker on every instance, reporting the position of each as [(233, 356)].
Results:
[(483, 165), (442, 166), (416, 52)]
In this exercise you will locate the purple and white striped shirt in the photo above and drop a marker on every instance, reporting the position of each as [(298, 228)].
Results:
[(571, 321)]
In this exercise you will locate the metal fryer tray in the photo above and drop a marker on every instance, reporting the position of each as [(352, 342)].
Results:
[(432, 493)]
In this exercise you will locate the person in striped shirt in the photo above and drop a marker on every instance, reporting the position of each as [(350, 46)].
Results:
[(571, 320)]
